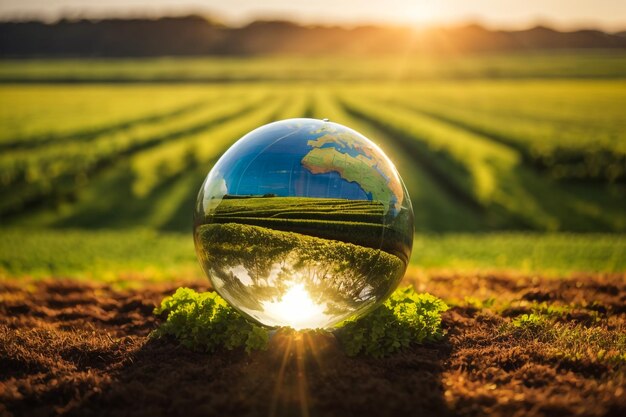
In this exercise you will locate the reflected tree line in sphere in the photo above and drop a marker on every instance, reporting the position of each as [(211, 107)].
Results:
[(253, 264)]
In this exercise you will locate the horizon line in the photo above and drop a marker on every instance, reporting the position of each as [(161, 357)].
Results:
[(74, 15)]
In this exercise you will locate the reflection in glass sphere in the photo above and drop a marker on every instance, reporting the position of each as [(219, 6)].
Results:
[(303, 223)]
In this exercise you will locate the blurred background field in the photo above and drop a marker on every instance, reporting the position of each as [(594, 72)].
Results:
[(514, 158)]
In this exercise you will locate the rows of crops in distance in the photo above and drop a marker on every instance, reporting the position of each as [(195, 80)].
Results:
[(298, 102), (34, 114), (195, 154), (530, 65), (169, 159), (48, 161), (459, 159), (459, 179), (89, 134), (48, 169), (357, 222), (202, 148), (435, 209), (146, 191), (573, 129), (300, 208), (489, 174)]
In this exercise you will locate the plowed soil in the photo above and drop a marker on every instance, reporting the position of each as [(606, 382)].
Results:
[(75, 348)]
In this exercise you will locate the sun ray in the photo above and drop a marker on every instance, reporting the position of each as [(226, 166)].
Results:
[(301, 376), (280, 378), (297, 309)]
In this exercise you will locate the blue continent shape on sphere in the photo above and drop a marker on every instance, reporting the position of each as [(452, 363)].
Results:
[(303, 223)]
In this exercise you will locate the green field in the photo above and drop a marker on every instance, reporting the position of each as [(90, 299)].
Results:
[(508, 166), (352, 221), (546, 64), (135, 256)]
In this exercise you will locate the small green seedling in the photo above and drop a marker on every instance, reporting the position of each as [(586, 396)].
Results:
[(406, 318), (206, 322)]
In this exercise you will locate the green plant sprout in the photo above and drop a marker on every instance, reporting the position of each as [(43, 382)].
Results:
[(404, 319), (206, 322)]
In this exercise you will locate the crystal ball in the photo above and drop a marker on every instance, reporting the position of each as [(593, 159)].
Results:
[(303, 223)]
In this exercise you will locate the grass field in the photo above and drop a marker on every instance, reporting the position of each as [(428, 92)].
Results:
[(516, 169), (104, 255), (353, 221), (458, 179), (551, 65), (523, 155)]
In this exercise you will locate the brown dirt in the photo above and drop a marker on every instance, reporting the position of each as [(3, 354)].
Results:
[(73, 348)]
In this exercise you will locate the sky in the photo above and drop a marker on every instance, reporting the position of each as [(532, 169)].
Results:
[(563, 14)]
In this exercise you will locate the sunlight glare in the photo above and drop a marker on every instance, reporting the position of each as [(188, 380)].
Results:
[(297, 309)]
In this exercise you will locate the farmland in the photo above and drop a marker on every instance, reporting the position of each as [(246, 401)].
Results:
[(353, 221), (137, 155), (598, 64), (141, 168), (515, 166)]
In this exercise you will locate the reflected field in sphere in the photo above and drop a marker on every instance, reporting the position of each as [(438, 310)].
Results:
[(303, 223)]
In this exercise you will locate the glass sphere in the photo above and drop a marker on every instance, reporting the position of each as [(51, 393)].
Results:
[(303, 223)]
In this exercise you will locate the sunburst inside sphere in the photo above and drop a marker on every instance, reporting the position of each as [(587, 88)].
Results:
[(303, 223)]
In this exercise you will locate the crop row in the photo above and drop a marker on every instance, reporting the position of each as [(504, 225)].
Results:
[(488, 174), (372, 235), (158, 164), (169, 159), (47, 162), (29, 174), (90, 133), (435, 208), (34, 115), (300, 208), (466, 166), (154, 195), (570, 130), (277, 204), (463, 159)]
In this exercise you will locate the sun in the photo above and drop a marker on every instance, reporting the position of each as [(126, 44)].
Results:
[(297, 309)]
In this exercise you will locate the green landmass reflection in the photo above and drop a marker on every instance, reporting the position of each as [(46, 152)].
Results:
[(302, 262)]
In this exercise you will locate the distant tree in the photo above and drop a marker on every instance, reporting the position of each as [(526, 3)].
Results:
[(197, 36)]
